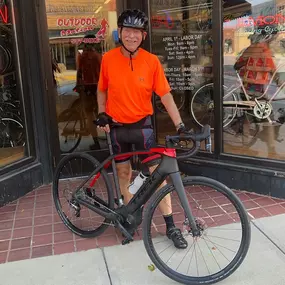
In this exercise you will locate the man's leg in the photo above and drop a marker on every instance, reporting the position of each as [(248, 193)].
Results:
[(146, 140), (165, 207), (124, 170)]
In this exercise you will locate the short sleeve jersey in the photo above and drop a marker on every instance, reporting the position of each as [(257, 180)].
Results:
[(129, 90)]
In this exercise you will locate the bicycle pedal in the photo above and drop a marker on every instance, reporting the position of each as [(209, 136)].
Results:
[(126, 241), (126, 234)]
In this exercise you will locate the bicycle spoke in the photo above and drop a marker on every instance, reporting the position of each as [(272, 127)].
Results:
[(223, 238), (172, 254), (216, 244), (212, 254), (184, 256), (165, 249), (204, 259), (191, 257)]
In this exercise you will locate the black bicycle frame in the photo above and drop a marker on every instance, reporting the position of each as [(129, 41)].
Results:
[(167, 167)]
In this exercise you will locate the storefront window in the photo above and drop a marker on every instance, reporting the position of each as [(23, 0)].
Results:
[(13, 146), (254, 78), (181, 36), (80, 33)]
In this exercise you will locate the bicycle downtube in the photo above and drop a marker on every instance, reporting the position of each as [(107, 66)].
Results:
[(115, 173), (178, 185)]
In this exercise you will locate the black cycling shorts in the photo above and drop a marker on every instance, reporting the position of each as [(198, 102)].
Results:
[(140, 135)]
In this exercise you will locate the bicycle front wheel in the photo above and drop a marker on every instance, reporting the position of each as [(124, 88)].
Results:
[(224, 233)]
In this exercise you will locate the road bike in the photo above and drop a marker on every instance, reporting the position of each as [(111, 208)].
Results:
[(258, 105), (210, 215), (72, 123)]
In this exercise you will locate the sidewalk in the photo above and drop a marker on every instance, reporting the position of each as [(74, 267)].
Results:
[(122, 265)]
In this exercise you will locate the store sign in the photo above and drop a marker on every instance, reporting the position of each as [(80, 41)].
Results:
[(4, 14), (75, 22), (100, 35), (262, 21), (162, 22)]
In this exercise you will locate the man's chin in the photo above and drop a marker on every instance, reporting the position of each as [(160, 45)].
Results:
[(132, 48)]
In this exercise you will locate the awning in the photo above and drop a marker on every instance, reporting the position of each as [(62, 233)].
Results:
[(234, 9)]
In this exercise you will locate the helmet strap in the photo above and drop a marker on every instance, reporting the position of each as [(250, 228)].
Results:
[(130, 52)]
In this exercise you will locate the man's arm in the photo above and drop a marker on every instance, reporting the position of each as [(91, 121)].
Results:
[(162, 89), (170, 106)]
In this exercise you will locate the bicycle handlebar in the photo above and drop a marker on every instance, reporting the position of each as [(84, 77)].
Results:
[(173, 141), (196, 138)]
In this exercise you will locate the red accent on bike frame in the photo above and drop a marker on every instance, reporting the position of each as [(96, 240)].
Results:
[(171, 152), (150, 158), (164, 151), (99, 174)]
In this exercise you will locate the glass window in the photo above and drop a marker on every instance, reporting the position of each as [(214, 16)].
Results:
[(80, 32), (254, 78), (13, 145), (181, 37)]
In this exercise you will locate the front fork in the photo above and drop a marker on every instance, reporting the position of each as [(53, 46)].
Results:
[(178, 185)]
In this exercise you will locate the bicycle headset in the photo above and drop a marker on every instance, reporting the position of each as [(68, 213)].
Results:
[(135, 19)]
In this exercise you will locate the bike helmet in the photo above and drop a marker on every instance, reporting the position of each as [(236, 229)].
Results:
[(135, 19)]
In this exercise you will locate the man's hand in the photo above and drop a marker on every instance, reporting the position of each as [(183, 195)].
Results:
[(181, 128), (103, 121)]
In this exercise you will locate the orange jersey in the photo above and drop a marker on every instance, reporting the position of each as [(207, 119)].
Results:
[(130, 91)]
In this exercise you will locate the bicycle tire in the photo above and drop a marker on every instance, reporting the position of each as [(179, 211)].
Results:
[(222, 274), (179, 100), (239, 137), (195, 120), (69, 113), (85, 234), (13, 143)]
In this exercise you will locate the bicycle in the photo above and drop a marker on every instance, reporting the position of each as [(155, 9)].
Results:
[(260, 109), (250, 109), (83, 202), (179, 99), (72, 124)]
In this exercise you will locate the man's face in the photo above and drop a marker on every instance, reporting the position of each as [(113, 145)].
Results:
[(131, 38)]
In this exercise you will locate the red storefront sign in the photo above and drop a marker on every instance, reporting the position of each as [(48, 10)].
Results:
[(261, 21), (4, 14)]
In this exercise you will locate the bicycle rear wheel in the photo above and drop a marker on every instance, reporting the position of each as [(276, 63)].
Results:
[(67, 179), (224, 233), (202, 106), (178, 97)]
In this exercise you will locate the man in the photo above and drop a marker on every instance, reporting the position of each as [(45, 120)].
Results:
[(88, 71), (128, 76)]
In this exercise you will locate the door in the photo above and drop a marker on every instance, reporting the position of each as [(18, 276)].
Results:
[(79, 32)]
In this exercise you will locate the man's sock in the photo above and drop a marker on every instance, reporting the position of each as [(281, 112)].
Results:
[(169, 221)]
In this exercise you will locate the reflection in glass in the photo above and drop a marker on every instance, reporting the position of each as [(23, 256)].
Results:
[(12, 123), (182, 39), (79, 34), (254, 78)]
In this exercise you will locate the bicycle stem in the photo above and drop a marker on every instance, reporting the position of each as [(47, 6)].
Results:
[(115, 173)]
